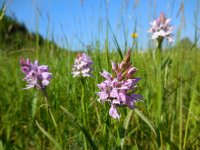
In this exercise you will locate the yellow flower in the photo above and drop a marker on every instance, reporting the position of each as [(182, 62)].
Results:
[(134, 35)]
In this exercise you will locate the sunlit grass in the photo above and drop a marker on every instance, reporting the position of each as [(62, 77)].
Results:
[(178, 120), (167, 118)]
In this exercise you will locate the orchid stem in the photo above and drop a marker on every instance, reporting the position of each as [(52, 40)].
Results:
[(49, 111), (159, 84), (83, 105)]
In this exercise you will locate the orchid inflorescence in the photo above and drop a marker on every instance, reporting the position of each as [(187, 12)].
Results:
[(82, 66), (160, 28), (119, 89), (36, 75)]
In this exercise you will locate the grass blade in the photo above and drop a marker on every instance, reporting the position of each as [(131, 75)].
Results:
[(116, 43), (80, 126), (48, 136), (146, 121), (127, 119)]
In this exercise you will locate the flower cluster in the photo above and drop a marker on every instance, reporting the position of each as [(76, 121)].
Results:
[(36, 75), (119, 89), (82, 66), (161, 29)]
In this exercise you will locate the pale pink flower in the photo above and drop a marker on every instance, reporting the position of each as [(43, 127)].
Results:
[(82, 66), (119, 89), (36, 75), (160, 28)]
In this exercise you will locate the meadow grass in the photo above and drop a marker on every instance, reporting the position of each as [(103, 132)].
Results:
[(70, 117), (168, 117)]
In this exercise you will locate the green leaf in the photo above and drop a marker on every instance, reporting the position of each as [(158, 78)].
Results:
[(127, 119), (166, 62), (146, 121), (1, 145)]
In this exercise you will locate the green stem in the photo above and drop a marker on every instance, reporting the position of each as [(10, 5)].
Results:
[(83, 105), (180, 119), (49, 111), (106, 130), (159, 86), (159, 79)]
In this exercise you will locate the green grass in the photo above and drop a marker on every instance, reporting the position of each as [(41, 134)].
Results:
[(168, 117), (170, 121)]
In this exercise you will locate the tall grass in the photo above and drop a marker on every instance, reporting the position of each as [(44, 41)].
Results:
[(168, 117), (177, 120)]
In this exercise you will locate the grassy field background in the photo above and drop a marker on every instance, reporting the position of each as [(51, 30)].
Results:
[(168, 117)]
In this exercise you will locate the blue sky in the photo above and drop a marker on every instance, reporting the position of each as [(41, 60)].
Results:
[(83, 22)]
